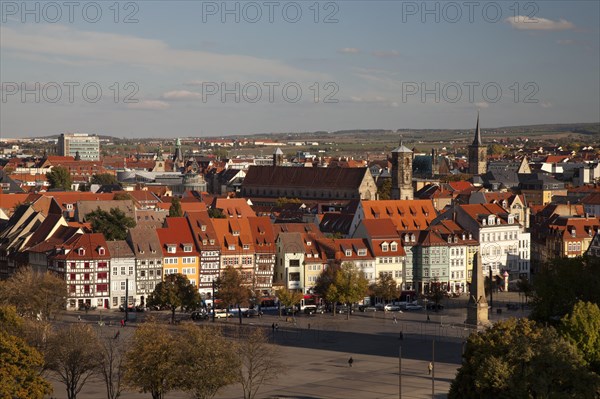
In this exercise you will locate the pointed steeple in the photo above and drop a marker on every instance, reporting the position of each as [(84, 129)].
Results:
[(477, 140)]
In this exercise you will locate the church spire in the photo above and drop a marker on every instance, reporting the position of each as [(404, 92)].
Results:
[(477, 140)]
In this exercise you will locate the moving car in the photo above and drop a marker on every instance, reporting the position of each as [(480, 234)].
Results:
[(251, 313), (411, 306), (221, 314), (199, 315)]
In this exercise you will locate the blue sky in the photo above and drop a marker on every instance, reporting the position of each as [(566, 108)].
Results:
[(374, 64)]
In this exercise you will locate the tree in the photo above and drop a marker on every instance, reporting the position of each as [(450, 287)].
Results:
[(289, 298), (260, 362), (111, 366), (175, 208), (384, 192), (386, 287), (151, 361), (496, 149), (559, 286), (175, 291), (114, 224), (216, 213), (72, 354), (516, 358), (436, 293), (582, 328), (104, 179), (282, 201), (59, 178), (232, 290), (35, 295), (324, 285), (525, 286), (122, 196), (20, 364), (208, 361), (349, 285)]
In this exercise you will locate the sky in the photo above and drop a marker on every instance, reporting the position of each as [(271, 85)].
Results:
[(201, 68)]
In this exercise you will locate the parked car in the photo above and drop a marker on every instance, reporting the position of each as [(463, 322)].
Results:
[(411, 306), (252, 313), (290, 311), (343, 309), (199, 315), (130, 308), (365, 308), (221, 314), (392, 308)]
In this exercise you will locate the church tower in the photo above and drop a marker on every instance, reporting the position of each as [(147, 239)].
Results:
[(402, 187), (178, 156), (435, 163), (278, 157), (477, 153)]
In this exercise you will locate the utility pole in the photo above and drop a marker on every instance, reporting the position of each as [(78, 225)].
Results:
[(126, 299), (213, 301), (433, 369), (400, 372), (491, 289)]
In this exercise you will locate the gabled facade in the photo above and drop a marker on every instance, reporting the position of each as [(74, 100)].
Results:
[(209, 248), (84, 262), (237, 246), (179, 251), (261, 231), (122, 279), (148, 260)]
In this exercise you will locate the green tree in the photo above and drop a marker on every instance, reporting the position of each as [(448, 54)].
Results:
[(496, 149), (151, 361), (216, 213), (122, 196), (208, 361), (34, 295), (113, 224), (175, 208), (72, 354), (582, 328), (175, 291), (385, 287), (324, 285), (260, 362), (517, 358), (384, 192), (59, 178), (232, 290), (104, 179), (558, 287), (349, 285), (289, 298), (436, 293)]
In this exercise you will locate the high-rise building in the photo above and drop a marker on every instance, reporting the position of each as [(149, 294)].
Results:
[(477, 154), (86, 146)]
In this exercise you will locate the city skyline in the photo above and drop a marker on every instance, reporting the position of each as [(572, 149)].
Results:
[(358, 65)]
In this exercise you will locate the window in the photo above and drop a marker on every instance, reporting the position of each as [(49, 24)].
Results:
[(294, 262), (187, 248), (101, 251), (348, 252), (362, 252), (102, 265), (115, 271), (393, 247), (130, 270), (122, 270), (384, 247), (170, 271), (143, 273), (171, 248), (81, 252), (170, 261), (123, 286), (72, 265)]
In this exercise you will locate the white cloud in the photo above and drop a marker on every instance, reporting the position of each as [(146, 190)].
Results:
[(386, 54), (149, 105), (62, 44), (482, 104), (181, 95), (522, 22), (546, 104), (349, 50)]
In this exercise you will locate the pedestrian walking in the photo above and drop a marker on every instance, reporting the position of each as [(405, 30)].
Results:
[(395, 320), (350, 361), (430, 368), (276, 326), (122, 323), (78, 317), (273, 327), (117, 334), (401, 336)]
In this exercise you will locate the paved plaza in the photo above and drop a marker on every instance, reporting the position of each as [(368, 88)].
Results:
[(316, 350)]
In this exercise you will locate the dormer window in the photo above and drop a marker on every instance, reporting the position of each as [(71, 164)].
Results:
[(203, 227), (187, 248), (231, 247), (309, 243), (81, 252), (511, 219), (384, 247), (348, 252), (362, 252), (463, 236), (69, 207), (246, 246), (491, 220), (235, 233), (211, 242), (171, 248), (455, 239), (573, 232), (483, 222), (101, 251), (204, 242), (470, 236), (412, 238), (393, 247)]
